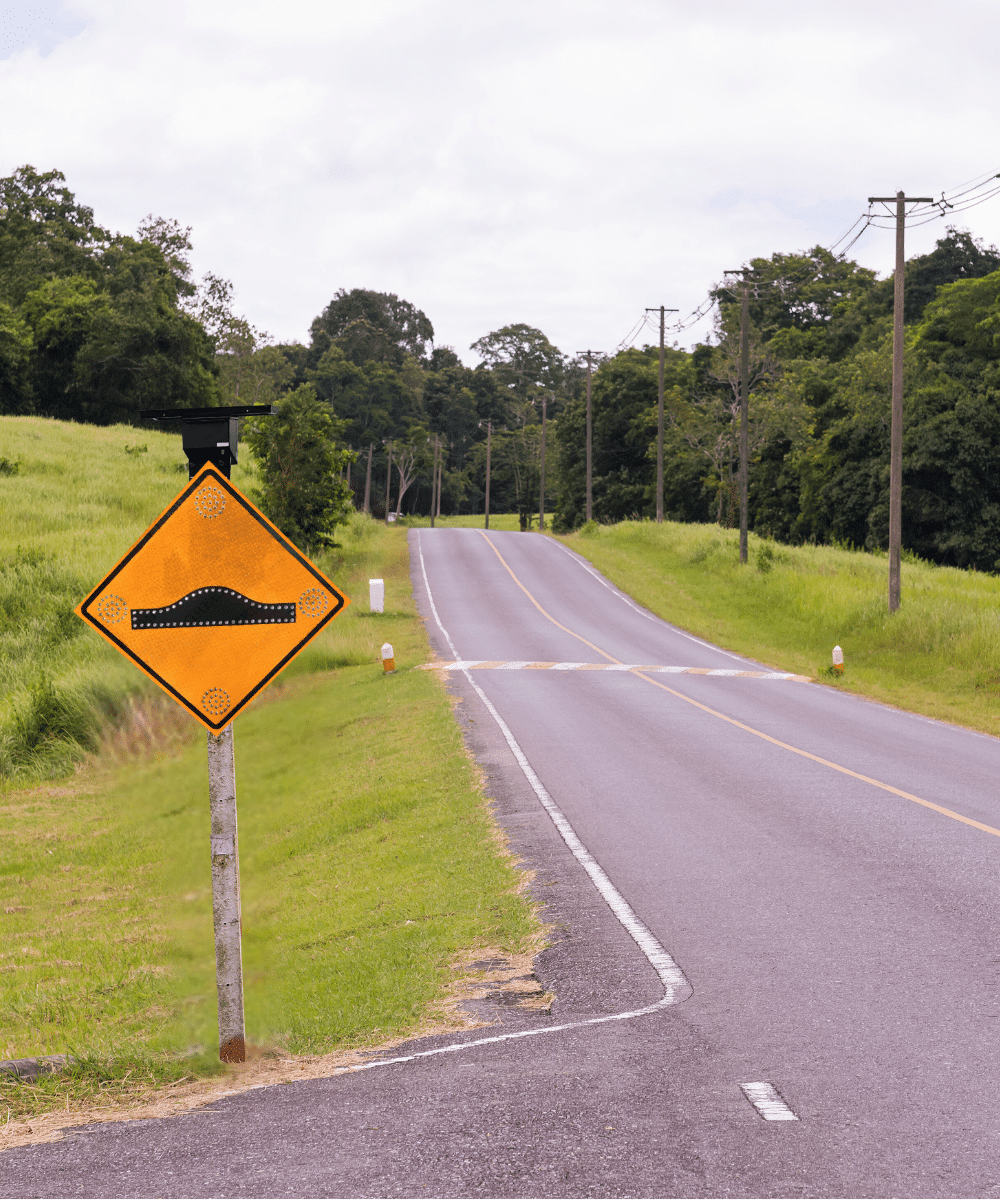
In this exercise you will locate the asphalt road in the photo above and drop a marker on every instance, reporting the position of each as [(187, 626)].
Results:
[(827, 934)]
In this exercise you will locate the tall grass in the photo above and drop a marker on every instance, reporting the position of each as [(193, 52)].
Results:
[(80, 497), (789, 605)]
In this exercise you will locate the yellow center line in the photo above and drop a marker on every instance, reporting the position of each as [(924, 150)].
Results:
[(596, 649), (825, 762)]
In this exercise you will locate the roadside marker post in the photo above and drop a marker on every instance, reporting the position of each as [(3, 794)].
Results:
[(388, 659), (376, 595), (213, 602)]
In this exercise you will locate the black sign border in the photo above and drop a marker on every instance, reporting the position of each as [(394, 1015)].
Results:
[(210, 472)]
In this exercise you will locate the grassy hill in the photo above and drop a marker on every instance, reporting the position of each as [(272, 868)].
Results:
[(370, 867)]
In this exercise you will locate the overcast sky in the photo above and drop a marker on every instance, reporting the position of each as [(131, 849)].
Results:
[(563, 164)]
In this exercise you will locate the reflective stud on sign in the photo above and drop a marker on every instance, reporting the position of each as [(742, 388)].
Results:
[(212, 601)]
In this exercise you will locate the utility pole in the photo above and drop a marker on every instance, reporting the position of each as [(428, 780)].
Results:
[(368, 480), (489, 447), (541, 487), (896, 435), (744, 409), (388, 480), (434, 480), (659, 421), (590, 441)]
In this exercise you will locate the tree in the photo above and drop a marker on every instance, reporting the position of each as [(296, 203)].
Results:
[(624, 432), (522, 360), (798, 302), (15, 356), (301, 462), (60, 317), (142, 350), (174, 242), (250, 370), (374, 327), (956, 256), (410, 457), (44, 233)]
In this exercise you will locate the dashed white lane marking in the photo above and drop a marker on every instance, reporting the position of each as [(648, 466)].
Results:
[(486, 664), (675, 986), (765, 1099)]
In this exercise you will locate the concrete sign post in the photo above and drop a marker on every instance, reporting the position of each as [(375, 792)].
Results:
[(213, 602)]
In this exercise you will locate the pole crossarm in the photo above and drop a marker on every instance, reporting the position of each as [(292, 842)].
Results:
[(905, 199)]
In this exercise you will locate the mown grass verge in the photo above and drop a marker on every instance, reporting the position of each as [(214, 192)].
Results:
[(369, 862), (790, 605)]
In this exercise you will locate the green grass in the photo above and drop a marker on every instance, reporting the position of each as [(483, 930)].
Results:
[(81, 496), (789, 606), (369, 862)]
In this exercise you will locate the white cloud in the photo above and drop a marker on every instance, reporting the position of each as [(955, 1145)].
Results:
[(564, 164)]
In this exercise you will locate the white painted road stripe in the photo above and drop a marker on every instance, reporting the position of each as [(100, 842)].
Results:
[(765, 1099), (487, 664)]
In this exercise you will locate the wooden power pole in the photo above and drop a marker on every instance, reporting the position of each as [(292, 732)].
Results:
[(368, 481), (659, 420), (590, 440), (541, 485), (896, 434), (434, 479), (744, 398), (489, 448)]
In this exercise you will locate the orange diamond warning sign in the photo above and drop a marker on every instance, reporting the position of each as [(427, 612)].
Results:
[(212, 601)]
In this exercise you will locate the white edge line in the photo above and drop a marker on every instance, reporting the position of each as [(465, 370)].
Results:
[(675, 985)]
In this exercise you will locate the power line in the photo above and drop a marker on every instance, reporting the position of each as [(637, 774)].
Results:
[(960, 198)]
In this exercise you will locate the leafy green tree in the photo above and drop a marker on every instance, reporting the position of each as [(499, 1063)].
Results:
[(624, 397), (60, 315), (15, 355), (798, 303), (174, 243), (44, 233), (523, 362), (955, 257), (142, 349), (374, 327), (376, 400), (301, 460)]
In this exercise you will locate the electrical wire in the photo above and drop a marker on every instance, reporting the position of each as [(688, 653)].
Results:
[(960, 198)]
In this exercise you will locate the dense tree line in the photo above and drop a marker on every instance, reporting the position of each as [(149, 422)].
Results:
[(821, 372), (95, 326)]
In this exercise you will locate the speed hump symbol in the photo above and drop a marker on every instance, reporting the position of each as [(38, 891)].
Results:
[(212, 601)]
